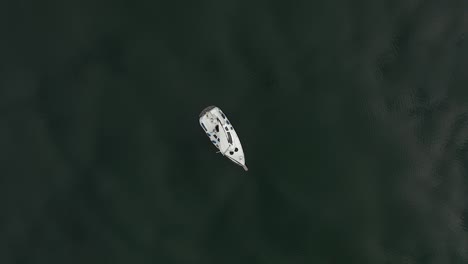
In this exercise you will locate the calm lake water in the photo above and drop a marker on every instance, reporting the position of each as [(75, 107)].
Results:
[(353, 116)]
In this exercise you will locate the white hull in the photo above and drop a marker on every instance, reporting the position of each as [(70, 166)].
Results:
[(222, 134)]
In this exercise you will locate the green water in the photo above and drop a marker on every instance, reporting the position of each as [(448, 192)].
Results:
[(353, 117)]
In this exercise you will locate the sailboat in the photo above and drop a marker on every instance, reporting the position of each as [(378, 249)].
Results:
[(222, 134)]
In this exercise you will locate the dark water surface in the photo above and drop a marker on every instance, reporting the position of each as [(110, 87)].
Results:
[(353, 116)]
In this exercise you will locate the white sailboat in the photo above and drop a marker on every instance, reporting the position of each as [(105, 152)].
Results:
[(222, 134)]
